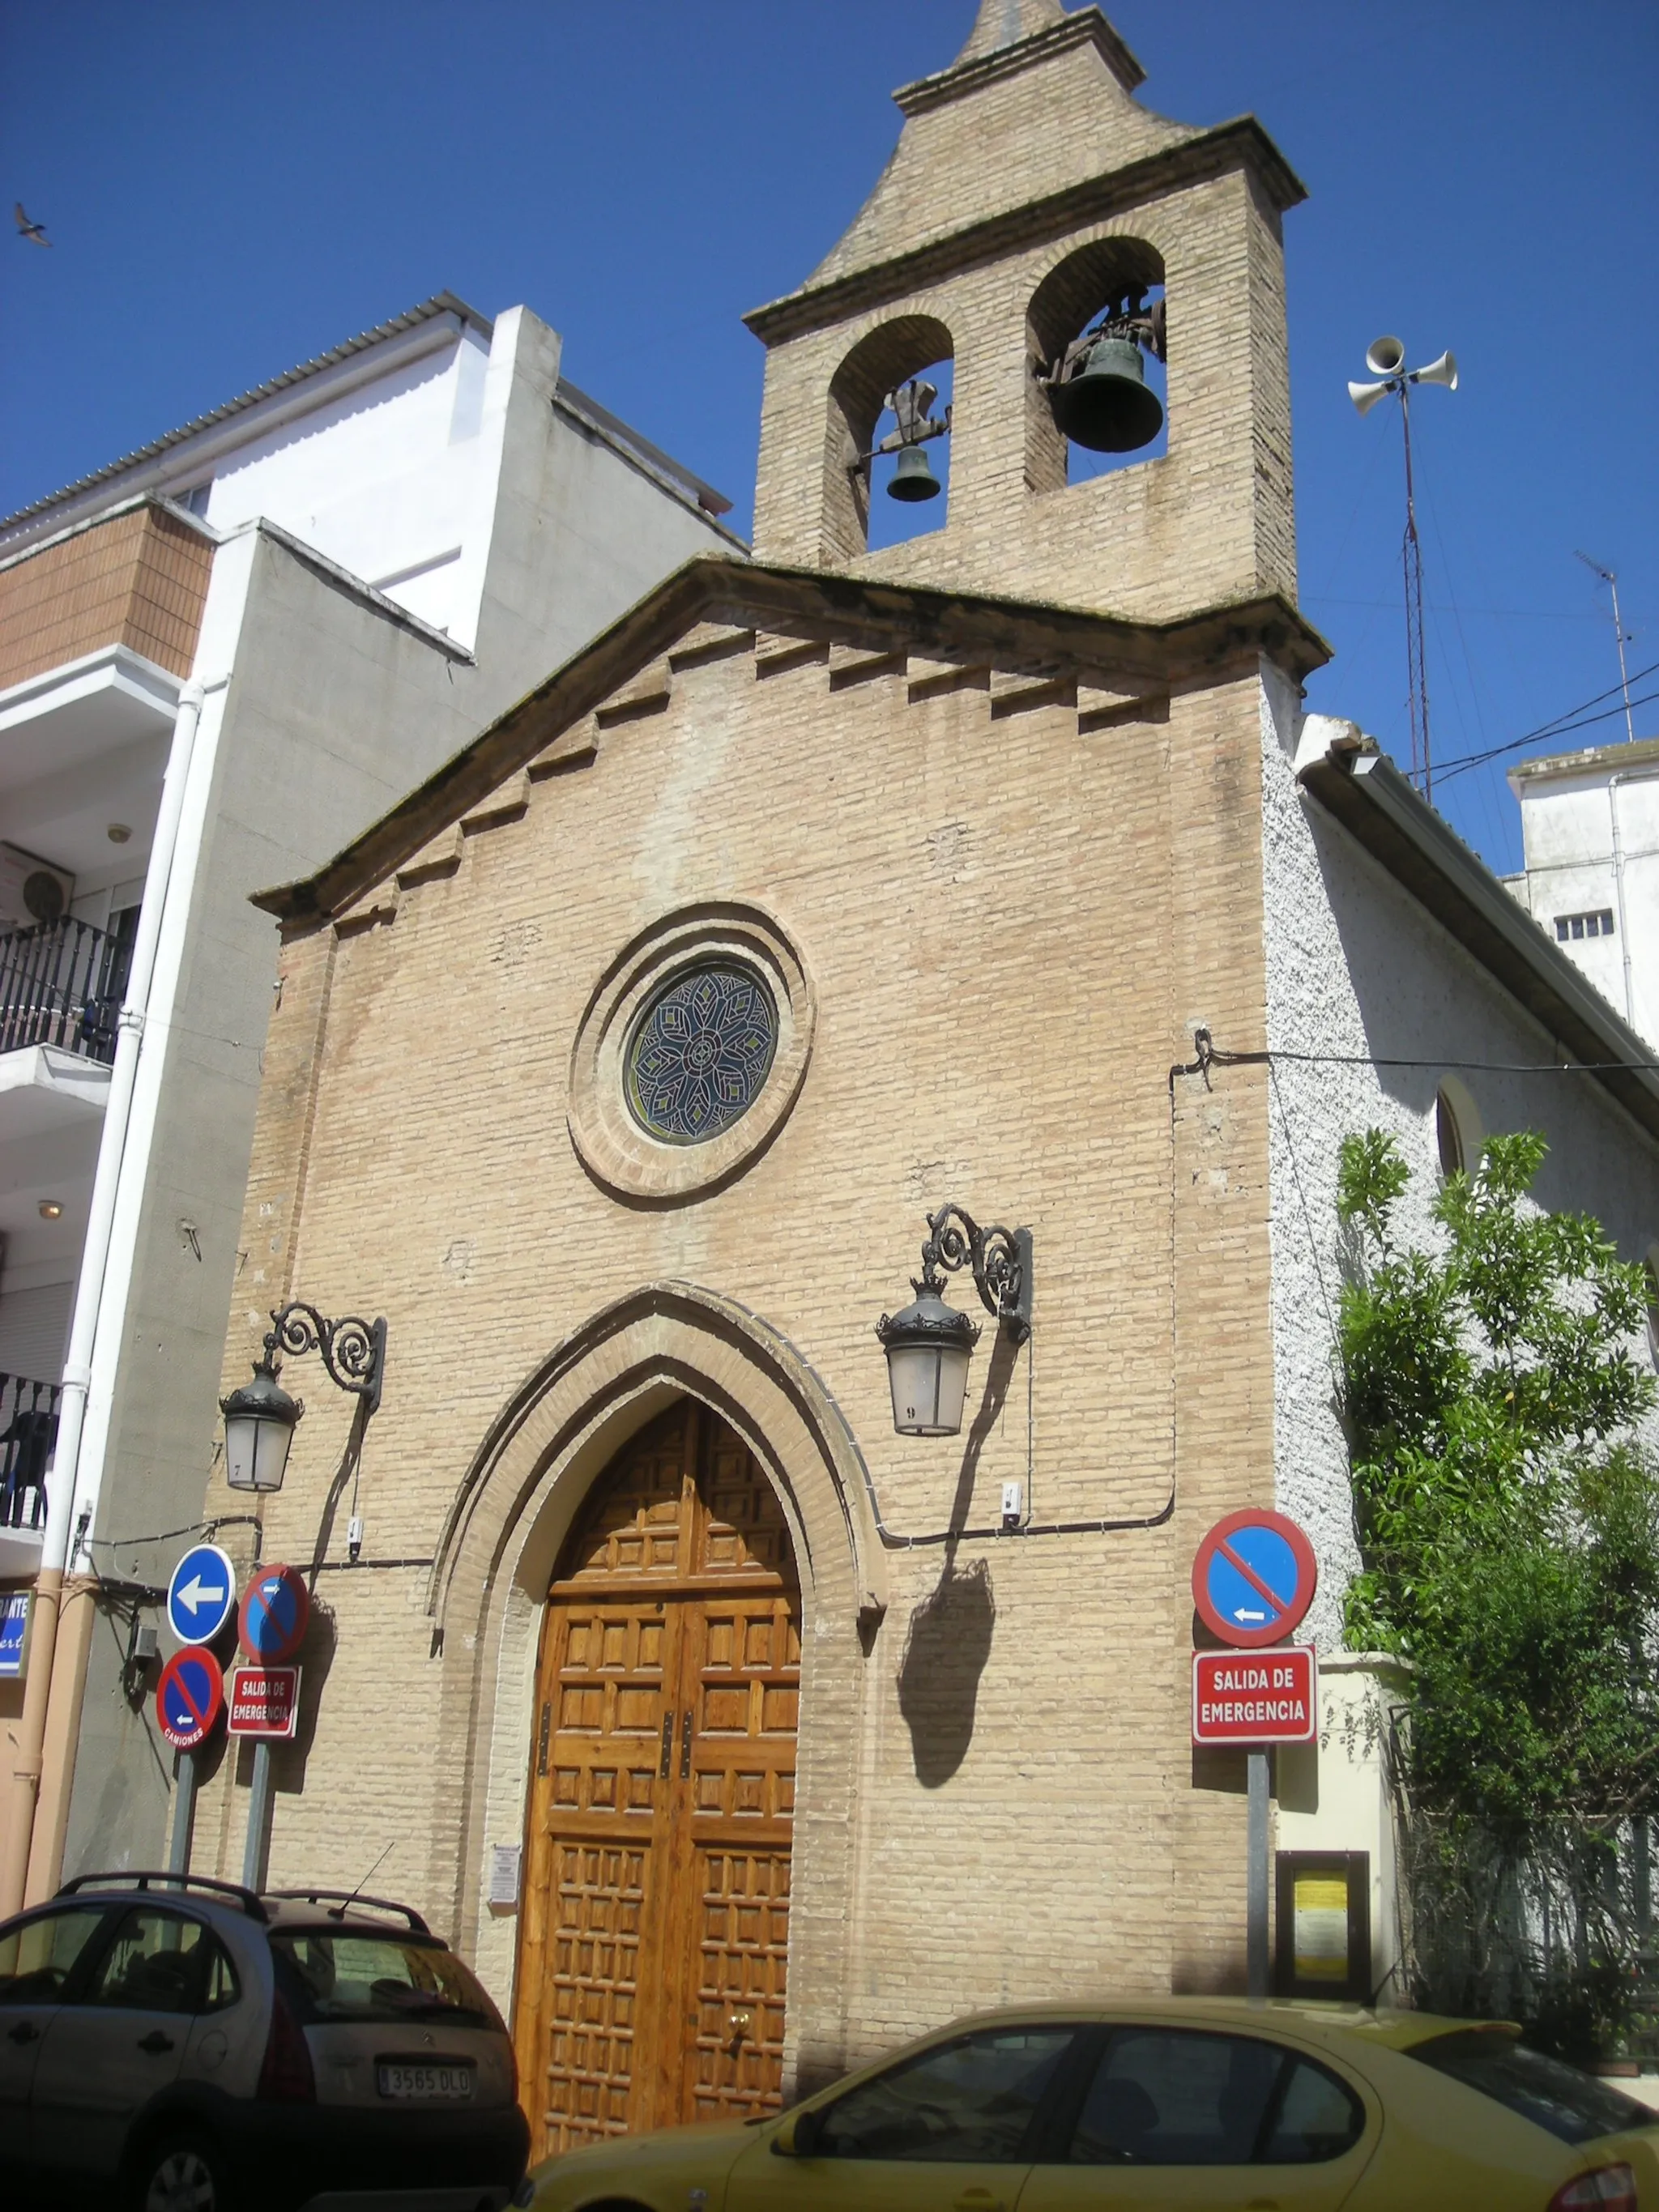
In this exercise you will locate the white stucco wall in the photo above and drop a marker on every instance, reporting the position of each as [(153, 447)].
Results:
[(1567, 821), (1356, 967), (380, 479)]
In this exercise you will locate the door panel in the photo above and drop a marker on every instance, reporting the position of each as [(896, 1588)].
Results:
[(944, 2129), (663, 1797), (40, 1959), (103, 2059), (592, 1986)]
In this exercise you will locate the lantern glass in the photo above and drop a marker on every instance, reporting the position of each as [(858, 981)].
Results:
[(256, 1450), (929, 1382)]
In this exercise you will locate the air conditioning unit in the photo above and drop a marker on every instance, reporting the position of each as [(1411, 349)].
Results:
[(31, 890)]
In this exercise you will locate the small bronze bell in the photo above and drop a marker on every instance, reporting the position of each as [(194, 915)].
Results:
[(912, 477), (1107, 405)]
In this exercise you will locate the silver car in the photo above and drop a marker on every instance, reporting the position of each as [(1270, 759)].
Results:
[(178, 2044)]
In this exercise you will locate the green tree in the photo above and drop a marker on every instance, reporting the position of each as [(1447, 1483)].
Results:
[(1508, 1520)]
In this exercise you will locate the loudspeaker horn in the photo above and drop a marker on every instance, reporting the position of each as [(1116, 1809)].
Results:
[(1443, 371), (1385, 357), (1365, 396)]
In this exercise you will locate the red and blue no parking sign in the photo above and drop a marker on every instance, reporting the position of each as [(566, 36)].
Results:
[(1253, 1578), (190, 1697), (276, 1607)]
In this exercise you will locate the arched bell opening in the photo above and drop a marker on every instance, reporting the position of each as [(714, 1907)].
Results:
[(654, 1928), (887, 458), (1097, 395)]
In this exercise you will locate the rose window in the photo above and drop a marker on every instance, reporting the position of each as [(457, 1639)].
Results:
[(701, 1054)]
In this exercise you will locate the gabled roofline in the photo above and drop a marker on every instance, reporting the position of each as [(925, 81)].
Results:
[(1371, 799), (1021, 635), (1242, 143), (1083, 26), (440, 303)]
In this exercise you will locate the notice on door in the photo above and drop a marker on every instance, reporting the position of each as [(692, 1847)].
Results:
[(1256, 1697), (263, 1701)]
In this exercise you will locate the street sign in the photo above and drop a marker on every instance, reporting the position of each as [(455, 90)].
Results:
[(189, 1698), (264, 1701), (200, 1594), (1254, 1579), (276, 1607), (14, 1632), (1257, 1697)]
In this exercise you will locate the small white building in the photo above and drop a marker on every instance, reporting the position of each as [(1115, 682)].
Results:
[(1590, 829), (220, 657)]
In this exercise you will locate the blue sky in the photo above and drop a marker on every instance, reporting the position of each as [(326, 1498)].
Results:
[(234, 188)]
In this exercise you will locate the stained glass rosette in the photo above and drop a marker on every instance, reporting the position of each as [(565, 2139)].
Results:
[(700, 1053)]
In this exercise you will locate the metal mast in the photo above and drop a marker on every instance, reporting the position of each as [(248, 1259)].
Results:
[(1385, 357), (1417, 666), (1612, 582)]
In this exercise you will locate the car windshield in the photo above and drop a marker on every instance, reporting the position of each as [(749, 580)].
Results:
[(352, 1977), (1573, 2105)]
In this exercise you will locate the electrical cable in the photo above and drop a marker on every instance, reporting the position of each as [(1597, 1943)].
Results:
[(1211, 1055), (167, 1535), (1571, 719)]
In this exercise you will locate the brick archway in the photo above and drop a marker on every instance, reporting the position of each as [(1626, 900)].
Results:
[(513, 1511)]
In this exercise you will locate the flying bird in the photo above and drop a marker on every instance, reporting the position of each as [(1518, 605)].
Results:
[(28, 229)]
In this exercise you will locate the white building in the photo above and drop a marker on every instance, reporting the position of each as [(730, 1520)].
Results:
[(1590, 829), (219, 657)]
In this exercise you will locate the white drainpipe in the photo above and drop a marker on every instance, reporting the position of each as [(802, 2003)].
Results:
[(58, 1543)]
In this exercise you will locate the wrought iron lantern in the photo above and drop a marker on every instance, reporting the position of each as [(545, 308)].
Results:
[(260, 1418), (929, 1344)]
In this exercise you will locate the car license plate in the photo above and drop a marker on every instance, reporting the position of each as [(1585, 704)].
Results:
[(424, 2080)]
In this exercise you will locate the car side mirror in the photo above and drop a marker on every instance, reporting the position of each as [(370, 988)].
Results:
[(800, 2136)]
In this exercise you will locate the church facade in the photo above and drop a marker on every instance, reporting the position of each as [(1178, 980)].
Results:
[(623, 1065)]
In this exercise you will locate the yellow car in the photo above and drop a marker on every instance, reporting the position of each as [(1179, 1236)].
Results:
[(1163, 2103)]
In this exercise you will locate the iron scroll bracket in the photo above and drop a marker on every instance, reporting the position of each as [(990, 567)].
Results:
[(353, 1350), (1000, 1259)]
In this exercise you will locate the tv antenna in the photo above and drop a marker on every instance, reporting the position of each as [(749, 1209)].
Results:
[(1385, 357), (1619, 632)]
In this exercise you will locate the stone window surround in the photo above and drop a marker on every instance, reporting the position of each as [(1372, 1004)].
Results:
[(623, 1157)]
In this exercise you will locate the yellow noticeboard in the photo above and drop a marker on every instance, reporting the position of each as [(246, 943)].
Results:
[(1319, 1936), (1323, 1946)]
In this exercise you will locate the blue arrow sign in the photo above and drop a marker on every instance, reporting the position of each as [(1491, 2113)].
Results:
[(202, 1594)]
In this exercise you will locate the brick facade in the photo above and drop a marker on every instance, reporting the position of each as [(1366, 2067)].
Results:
[(139, 580), (1017, 875)]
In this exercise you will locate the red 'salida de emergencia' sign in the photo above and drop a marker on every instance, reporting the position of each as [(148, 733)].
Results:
[(1256, 1697)]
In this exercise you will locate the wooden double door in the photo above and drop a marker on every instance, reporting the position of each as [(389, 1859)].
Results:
[(655, 1919)]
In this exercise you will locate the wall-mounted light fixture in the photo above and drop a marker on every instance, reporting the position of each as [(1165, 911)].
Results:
[(260, 1418), (929, 1344)]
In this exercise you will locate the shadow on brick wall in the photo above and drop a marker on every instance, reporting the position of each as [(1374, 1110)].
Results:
[(945, 1655)]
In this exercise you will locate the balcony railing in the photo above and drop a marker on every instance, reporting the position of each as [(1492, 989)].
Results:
[(61, 983), (28, 1429)]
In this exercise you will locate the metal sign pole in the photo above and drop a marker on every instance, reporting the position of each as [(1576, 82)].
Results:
[(183, 1815), (257, 1847), (1256, 1936)]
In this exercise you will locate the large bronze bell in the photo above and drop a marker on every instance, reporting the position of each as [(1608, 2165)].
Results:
[(912, 477), (1107, 405)]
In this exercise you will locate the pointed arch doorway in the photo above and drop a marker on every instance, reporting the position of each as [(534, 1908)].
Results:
[(654, 1927)]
